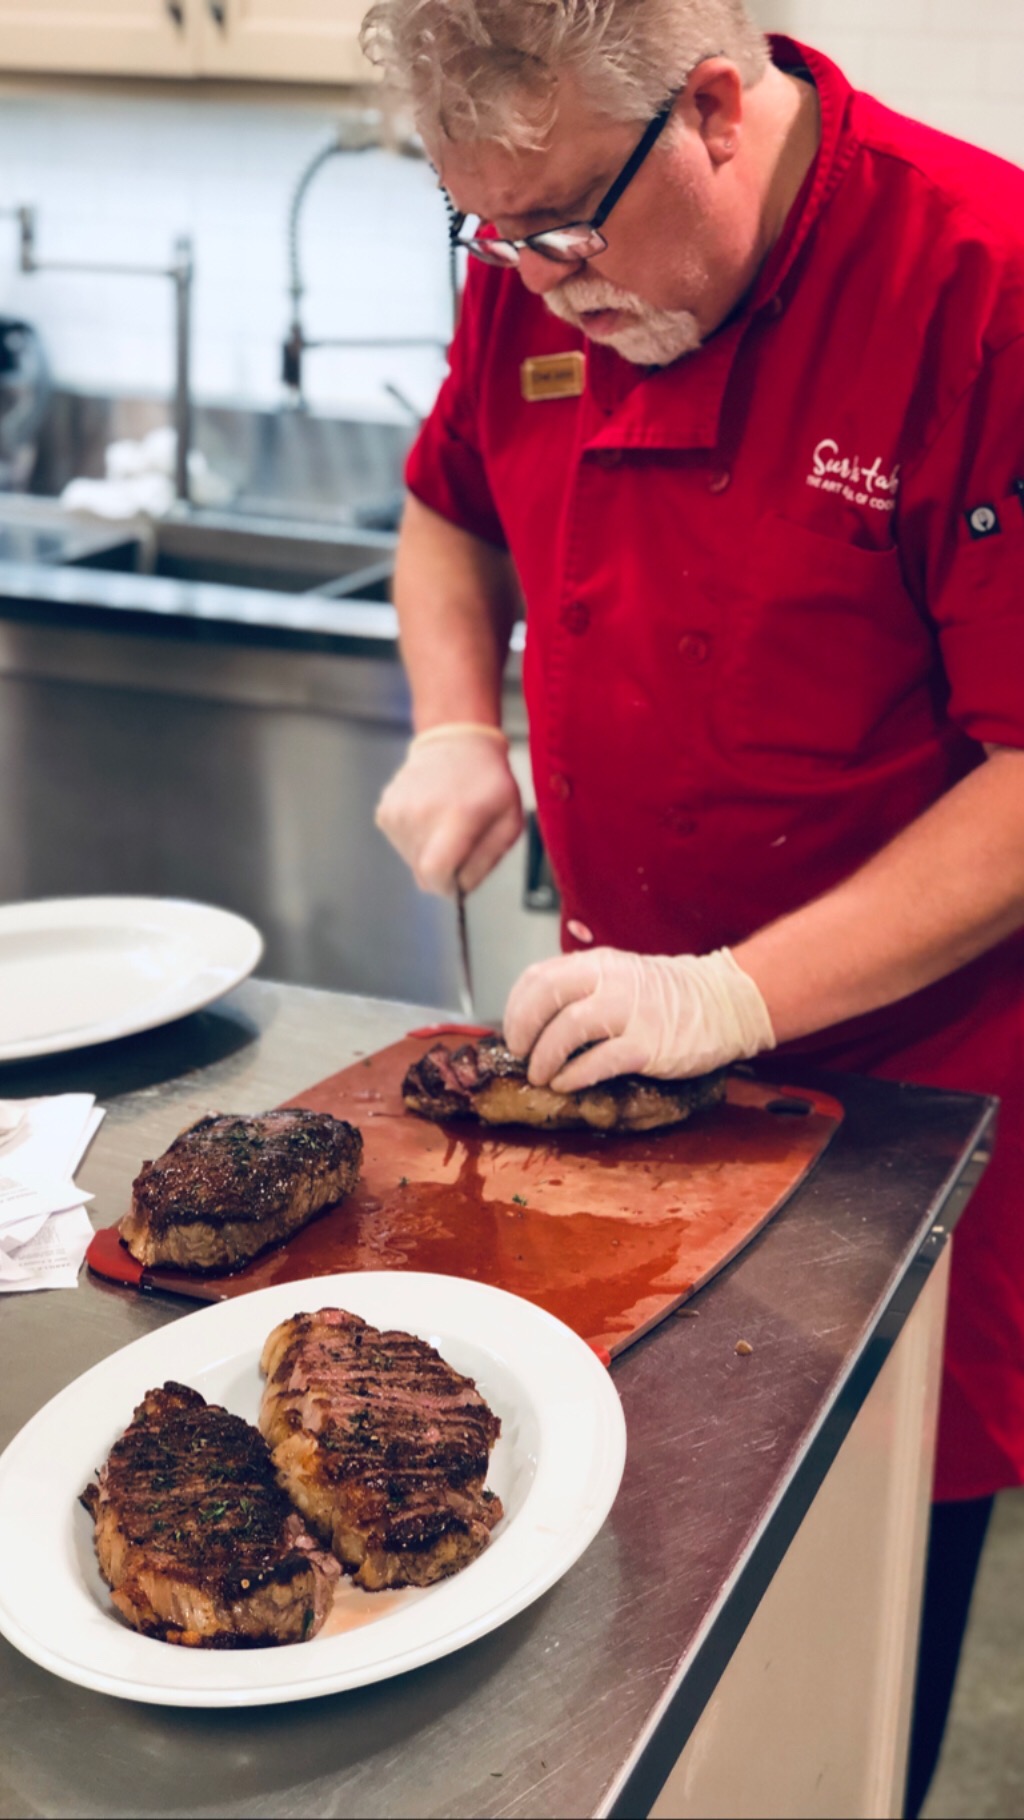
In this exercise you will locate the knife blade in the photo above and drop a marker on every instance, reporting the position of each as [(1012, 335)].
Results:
[(465, 969)]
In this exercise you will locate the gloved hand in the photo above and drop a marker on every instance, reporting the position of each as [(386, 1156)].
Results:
[(453, 810), (666, 1016)]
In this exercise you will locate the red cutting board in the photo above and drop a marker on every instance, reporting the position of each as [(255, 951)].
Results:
[(610, 1233)]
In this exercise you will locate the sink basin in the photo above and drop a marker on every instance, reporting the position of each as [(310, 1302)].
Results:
[(39, 531), (270, 554), (241, 552)]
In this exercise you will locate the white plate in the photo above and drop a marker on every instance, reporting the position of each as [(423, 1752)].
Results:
[(79, 970), (556, 1467)]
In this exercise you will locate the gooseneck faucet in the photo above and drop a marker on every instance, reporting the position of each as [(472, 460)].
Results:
[(297, 343), (181, 273)]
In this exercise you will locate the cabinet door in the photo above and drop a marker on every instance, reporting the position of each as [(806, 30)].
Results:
[(100, 37), (283, 40)]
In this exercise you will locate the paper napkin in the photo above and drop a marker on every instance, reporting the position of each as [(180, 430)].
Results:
[(44, 1228)]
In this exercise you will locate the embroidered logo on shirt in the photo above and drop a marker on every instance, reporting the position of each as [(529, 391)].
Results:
[(983, 521), (859, 483)]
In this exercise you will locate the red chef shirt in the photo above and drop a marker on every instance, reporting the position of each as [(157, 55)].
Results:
[(775, 599)]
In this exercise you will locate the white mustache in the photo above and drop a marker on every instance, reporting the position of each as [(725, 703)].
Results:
[(647, 336), (584, 294)]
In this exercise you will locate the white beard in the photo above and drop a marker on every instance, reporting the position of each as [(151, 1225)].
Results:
[(653, 339)]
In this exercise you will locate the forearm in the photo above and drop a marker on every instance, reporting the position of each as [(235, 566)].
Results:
[(944, 891), (457, 600), (453, 808)]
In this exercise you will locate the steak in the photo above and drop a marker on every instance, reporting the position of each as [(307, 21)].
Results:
[(484, 1081), (195, 1537), (381, 1445), (230, 1186)]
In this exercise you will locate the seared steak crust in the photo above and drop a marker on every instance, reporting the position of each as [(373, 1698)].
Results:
[(194, 1536), (482, 1080), (381, 1445), (228, 1186)]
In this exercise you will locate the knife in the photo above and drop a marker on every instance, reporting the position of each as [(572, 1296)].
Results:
[(465, 970)]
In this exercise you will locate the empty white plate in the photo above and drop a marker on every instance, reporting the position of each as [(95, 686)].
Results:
[(85, 970)]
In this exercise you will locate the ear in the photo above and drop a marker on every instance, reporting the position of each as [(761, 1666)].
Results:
[(715, 96)]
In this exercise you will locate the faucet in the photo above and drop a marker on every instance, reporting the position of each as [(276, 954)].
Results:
[(181, 273), (366, 136)]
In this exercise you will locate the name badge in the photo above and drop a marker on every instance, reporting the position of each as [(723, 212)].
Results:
[(552, 376)]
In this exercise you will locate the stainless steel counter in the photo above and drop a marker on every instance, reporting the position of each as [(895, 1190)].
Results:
[(582, 1704)]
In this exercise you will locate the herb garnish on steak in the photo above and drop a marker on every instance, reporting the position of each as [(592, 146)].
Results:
[(194, 1536)]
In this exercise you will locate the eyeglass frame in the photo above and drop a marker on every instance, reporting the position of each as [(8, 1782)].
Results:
[(482, 249)]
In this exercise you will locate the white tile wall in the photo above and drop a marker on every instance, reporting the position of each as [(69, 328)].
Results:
[(957, 65), (117, 179), (120, 177)]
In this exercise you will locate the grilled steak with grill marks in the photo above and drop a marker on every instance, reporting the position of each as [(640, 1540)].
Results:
[(195, 1538), (484, 1081), (381, 1445), (228, 1187)]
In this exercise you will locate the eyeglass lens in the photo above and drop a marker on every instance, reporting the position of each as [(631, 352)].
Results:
[(563, 245)]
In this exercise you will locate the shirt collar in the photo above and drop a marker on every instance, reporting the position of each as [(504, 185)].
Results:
[(680, 406)]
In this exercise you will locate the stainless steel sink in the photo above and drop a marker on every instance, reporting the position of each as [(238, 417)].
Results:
[(295, 466), (40, 531), (279, 555), (270, 554)]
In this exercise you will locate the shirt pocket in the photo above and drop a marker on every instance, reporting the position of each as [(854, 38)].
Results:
[(827, 659)]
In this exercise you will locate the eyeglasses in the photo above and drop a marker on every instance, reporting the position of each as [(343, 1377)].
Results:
[(578, 239)]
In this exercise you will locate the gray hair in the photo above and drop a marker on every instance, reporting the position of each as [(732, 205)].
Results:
[(488, 69)]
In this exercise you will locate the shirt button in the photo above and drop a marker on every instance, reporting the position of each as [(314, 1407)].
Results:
[(695, 647), (576, 617), (608, 458), (560, 786), (776, 306), (718, 481)]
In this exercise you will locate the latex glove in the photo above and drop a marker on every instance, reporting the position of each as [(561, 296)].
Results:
[(666, 1016), (454, 809)]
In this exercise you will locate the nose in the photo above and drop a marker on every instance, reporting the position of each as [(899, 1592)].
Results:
[(541, 275)]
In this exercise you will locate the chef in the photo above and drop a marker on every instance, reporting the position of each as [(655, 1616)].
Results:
[(736, 408)]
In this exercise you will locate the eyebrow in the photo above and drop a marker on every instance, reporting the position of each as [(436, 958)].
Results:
[(559, 212)]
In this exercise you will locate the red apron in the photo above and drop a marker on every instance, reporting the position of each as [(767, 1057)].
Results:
[(767, 626)]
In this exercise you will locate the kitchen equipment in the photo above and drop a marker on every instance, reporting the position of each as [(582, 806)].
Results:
[(608, 1233), (465, 968), (556, 1467), (181, 273), (197, 715), (41, 532), (75, 971), (24, 398)]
